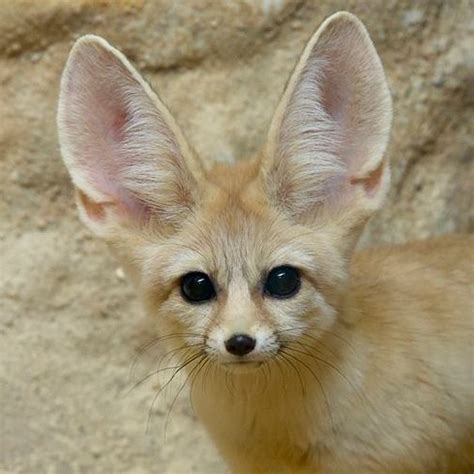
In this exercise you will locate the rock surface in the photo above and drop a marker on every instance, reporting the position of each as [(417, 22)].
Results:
[(69, 323)]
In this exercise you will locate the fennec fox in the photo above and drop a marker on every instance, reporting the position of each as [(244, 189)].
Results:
[(322, 361)]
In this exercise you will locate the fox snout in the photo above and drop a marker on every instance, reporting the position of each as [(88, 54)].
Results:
[(254, 343)]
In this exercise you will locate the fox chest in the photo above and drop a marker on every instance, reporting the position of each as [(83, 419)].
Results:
[(263, 438)]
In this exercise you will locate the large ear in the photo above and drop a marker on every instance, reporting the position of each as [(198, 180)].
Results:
[(328, 136), (126, 156)]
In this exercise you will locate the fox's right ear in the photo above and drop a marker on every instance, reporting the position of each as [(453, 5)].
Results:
[(126, 156)]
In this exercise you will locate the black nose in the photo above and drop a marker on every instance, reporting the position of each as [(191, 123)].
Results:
[(240, 344)]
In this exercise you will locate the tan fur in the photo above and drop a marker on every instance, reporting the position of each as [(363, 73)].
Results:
[(368, 368)]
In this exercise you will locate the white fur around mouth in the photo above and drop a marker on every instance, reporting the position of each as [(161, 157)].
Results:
[(243, 363)]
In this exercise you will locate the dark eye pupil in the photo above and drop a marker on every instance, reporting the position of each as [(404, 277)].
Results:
[(197, 287), (282, 282)]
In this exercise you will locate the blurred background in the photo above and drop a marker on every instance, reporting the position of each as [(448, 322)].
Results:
[(69, 322)]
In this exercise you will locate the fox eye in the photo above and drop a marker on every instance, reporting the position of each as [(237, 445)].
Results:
[(282, 282), (197, 287)]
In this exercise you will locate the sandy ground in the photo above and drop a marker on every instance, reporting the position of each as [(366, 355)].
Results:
[(70, 325)]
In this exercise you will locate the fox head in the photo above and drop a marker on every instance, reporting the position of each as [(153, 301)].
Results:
[(238, 260)]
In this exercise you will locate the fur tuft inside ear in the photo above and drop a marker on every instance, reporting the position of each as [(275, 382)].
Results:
[(126, 155), (328, 136)]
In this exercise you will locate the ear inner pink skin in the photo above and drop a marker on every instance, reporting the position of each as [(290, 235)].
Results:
[(94, 210), (372, 181)]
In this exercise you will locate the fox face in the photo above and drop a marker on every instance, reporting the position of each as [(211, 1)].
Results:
[(241, 278), (235, 261)]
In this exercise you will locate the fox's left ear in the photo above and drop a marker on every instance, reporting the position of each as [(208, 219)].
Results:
[(328, 136)]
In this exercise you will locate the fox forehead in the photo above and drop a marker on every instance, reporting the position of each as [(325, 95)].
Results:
[(234, 233)]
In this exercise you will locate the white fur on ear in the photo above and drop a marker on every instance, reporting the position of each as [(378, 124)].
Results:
[(329, 133), (124, 152)]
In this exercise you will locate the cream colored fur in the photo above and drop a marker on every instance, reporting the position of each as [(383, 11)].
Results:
[(368, 368)]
